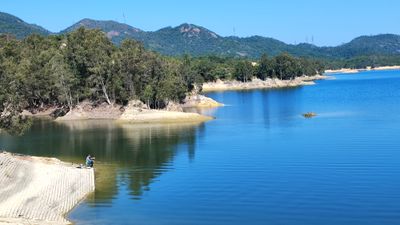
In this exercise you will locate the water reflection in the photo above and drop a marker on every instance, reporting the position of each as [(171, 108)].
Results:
[(129, 153)]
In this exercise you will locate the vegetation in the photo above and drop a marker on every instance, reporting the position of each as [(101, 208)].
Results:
[(377, 50), (10, 24), (63, 70)]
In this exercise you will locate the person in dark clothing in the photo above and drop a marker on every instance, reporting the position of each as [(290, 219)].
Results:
[(89, 161)]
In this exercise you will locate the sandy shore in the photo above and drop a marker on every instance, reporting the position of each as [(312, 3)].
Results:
[(36, 190), (137, 112), (161, 116), (220, 85), (384, 68), (345, 70)]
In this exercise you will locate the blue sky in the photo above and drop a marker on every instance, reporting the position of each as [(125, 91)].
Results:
[(326, 22)]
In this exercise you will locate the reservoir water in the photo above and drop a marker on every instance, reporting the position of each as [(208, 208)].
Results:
[(258, 162)]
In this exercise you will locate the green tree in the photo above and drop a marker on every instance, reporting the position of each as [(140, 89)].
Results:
[(12, 100), (286, 66), (244, 71), (64, 79), (148, 95), (265, 68), (171, 87)]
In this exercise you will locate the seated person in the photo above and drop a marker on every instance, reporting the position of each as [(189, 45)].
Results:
[(89, 161)]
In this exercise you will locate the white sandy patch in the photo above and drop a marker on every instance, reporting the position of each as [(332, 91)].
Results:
[(346, 70), (256, 83), (343, 70), (38, 190), (160, 116)]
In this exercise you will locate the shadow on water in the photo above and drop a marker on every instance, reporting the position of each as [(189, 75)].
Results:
[(125, 153), (280, 105)]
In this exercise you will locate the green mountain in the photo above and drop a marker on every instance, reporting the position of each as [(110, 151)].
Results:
[(384, 44), (187, 38), (196, 40), (114, 30), (10, 24)]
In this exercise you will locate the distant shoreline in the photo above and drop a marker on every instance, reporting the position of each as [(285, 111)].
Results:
[(269, 83), (346, 70)]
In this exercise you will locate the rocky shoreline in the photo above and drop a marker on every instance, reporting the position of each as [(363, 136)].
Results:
[(256, 83), (135, 112), (346, 70), (138, 112)]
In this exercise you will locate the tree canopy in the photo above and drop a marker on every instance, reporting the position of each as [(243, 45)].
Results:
[(63, 70)]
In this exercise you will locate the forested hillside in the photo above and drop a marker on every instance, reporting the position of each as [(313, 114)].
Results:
[(377, 50), (63, 70), (199, 41), (10, 24)]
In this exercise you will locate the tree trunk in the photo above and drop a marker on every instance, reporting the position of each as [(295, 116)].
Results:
[(103, 87), (70, 101)]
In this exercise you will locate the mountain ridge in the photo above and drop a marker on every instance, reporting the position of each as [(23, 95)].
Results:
[(196, 40), (18, 27)]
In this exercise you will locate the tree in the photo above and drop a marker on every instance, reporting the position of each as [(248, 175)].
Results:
[(171, 87), (203, 68), (64, 79), (265, 68), (187, 72), (99, 51), (12, 101), (243, 71), (148, 95), (286, 66), (132, 66)]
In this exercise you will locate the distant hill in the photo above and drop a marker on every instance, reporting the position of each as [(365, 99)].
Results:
[(13, 25), (188, 38), (384, 44), (114, 30), (196, 40)]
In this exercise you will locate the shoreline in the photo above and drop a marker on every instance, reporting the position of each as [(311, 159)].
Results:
[(256, 83), (40, 190), (347, 70), (160, 116), (135, 112)]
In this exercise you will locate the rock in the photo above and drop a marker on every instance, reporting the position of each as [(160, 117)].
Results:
[(256, 83), (200, 101), (89, 110), (173, 106), (309, 114), (59, 112), (137, 104)]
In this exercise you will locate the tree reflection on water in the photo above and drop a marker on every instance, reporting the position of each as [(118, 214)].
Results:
[(130, 153)]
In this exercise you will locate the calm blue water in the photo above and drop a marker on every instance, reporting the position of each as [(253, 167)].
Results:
[(259, 162)]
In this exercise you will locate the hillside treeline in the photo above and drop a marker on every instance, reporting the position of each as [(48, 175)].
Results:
[(63, 70)]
